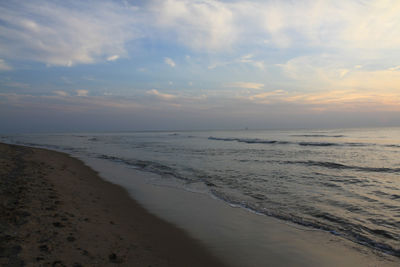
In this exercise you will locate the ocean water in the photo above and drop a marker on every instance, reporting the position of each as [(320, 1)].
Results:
[(345, 181)]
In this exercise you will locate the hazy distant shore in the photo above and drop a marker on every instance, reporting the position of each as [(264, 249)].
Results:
[(55, 211)]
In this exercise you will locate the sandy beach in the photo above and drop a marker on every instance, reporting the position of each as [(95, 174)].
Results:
[(55, 211)]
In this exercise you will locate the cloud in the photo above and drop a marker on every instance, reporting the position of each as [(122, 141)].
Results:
[(265, 95), (82, 92), (329, 100), (373, 26), (113, 58), (69, 103), (65, 33), (249, 59), (51, 31), (348, 100), (161, 95), (314, 69), (177, 100), (62, 101), (4, 66), (247, 85), (220, 25), (246, 59), (326, 72), (200, 25), (60, 93), (169, 62)]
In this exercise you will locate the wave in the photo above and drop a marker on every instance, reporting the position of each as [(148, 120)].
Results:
[(339, 166), (145, 165), (317, 135), (395, 146), (264, 141), (249, 140), (318, 144)]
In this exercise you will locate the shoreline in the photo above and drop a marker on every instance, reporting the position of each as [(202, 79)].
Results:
[(56, 211)]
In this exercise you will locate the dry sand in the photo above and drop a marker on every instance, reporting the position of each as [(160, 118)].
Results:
[(55, 211)]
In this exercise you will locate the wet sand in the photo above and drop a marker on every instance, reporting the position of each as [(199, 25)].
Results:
[(56, 211)]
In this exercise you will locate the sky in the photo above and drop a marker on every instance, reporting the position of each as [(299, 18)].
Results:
[(198, 64)]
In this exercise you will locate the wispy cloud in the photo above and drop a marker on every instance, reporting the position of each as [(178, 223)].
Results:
[(330, 100), (201, 25), (266, 95), (113, 58), (331, 72), (348, 100), (246, 85), (343, 25), (82, 92), (60, 93), (65, 33), (52, 32), (63, 102), (161, 95), (248, 59), (169, 62)]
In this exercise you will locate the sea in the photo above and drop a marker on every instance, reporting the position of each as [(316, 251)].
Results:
[(343, 181)]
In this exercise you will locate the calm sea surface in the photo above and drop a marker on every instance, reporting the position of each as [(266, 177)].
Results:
[(346, 181)]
